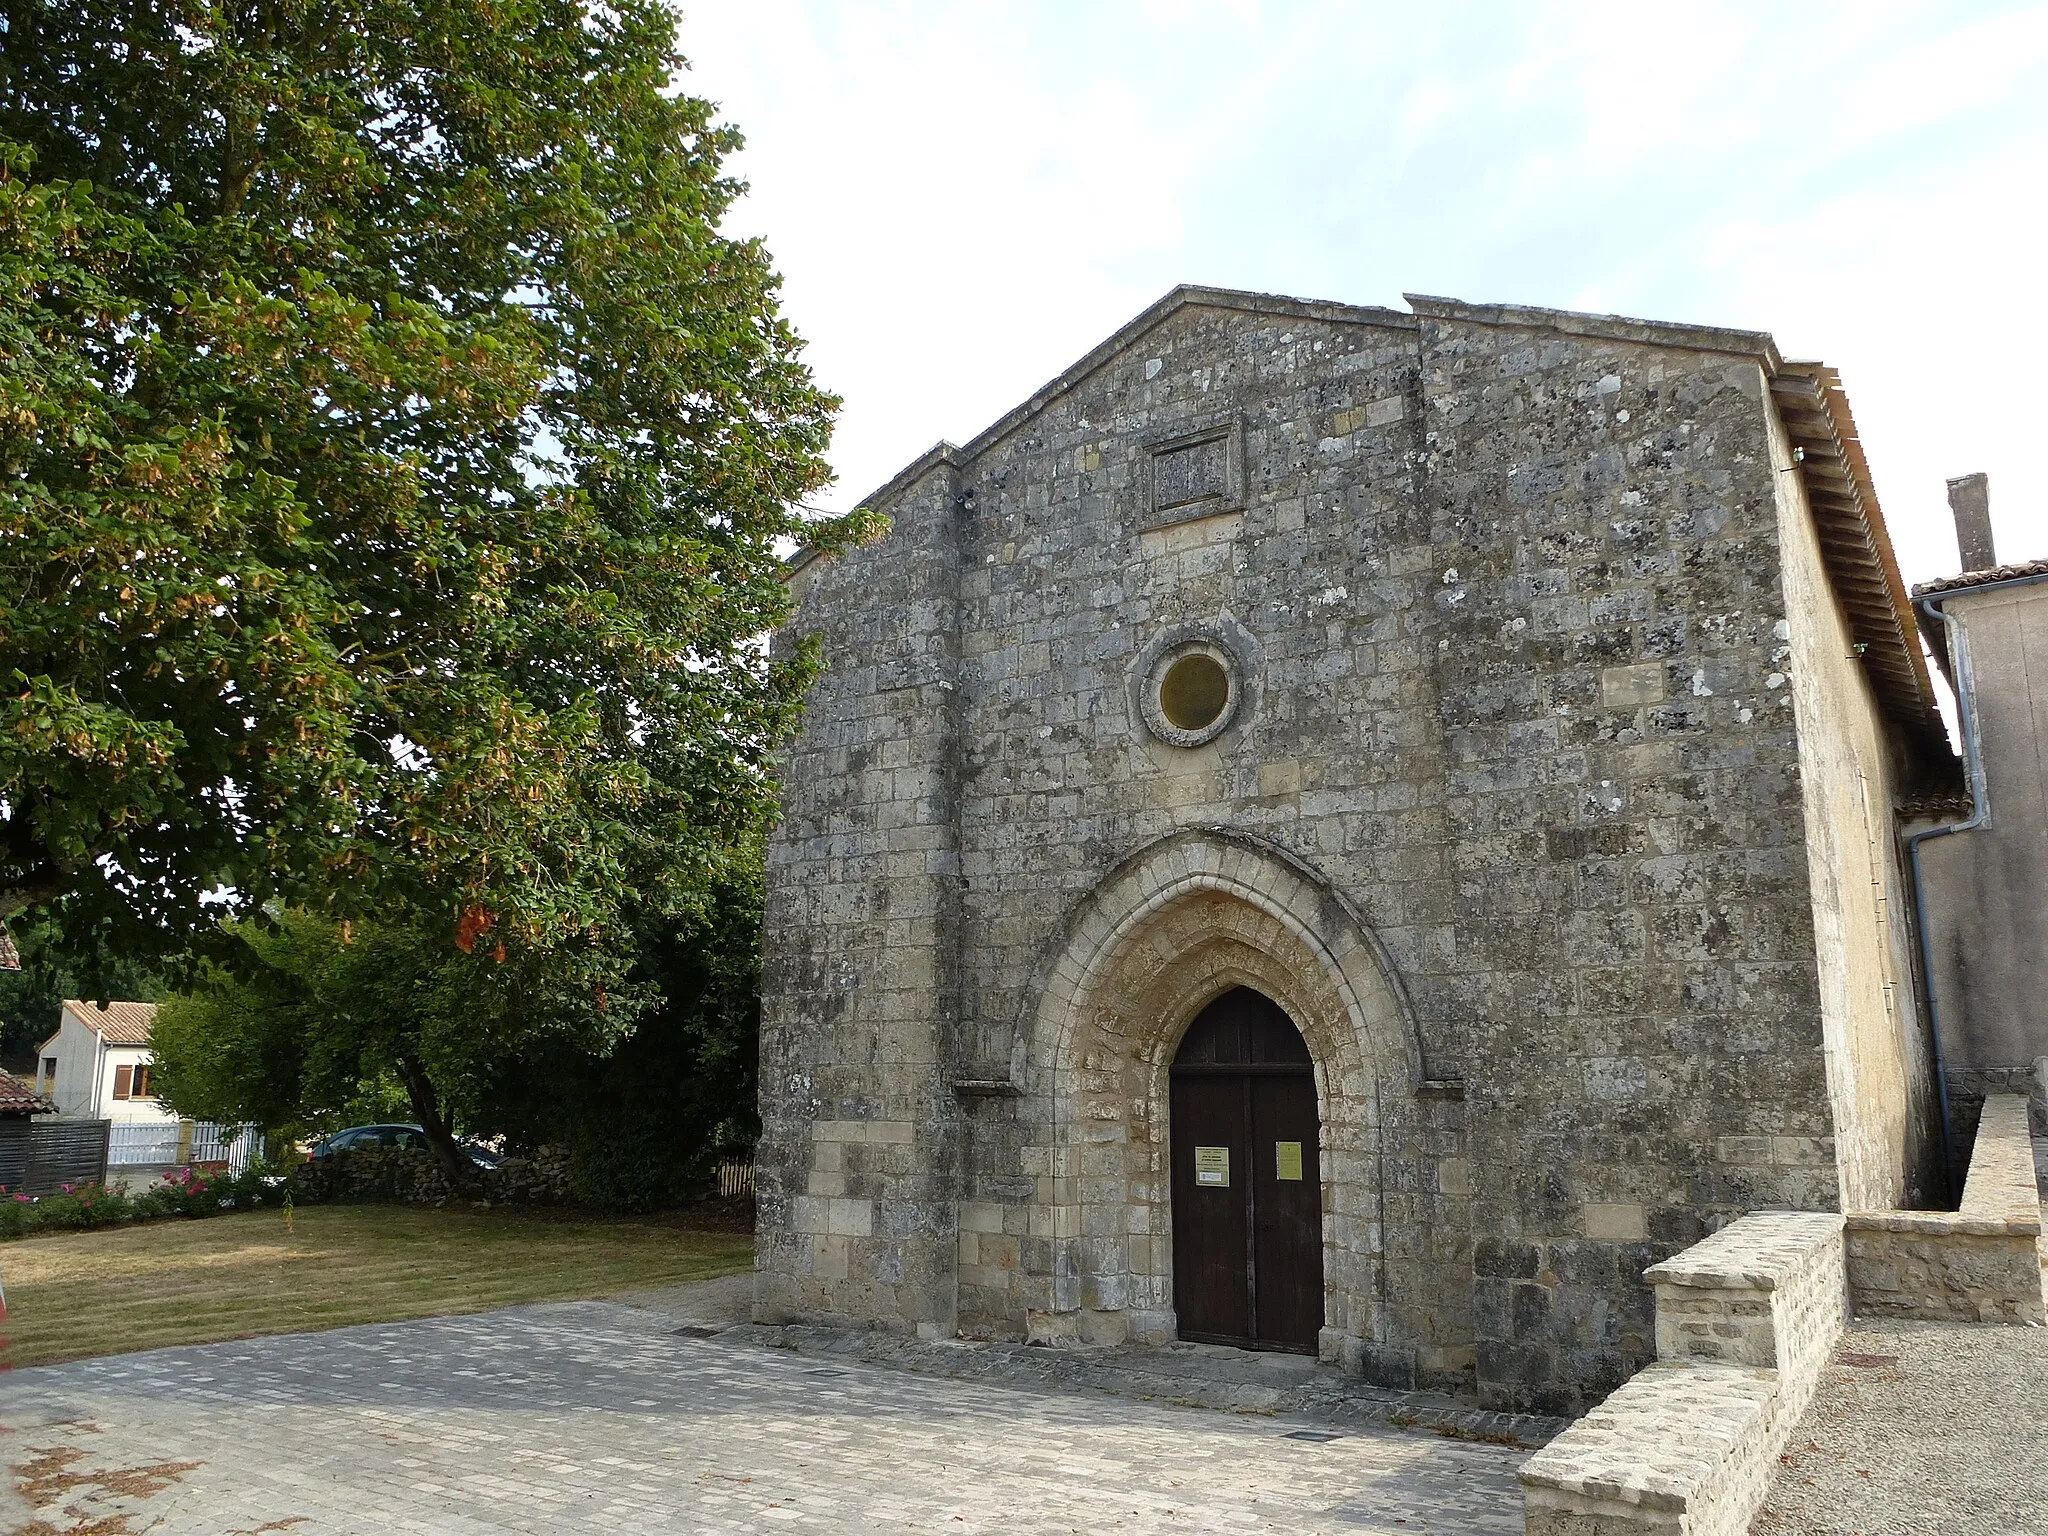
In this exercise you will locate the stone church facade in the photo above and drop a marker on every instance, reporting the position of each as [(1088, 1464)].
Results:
[(1517, 699)]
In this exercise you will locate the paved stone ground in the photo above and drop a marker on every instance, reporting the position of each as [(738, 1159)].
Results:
[(1186, 1375), (595, 1416), (1921, 1429)]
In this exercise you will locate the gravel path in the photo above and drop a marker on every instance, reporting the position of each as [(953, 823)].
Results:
[(1921, 1429)]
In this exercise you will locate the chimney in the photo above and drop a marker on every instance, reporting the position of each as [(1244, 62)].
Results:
[(1969, 498)]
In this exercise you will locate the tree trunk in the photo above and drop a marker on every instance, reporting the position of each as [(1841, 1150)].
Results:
[(440, 1136)]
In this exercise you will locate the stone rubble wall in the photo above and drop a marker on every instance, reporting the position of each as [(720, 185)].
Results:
[(411, 1175), (1982, 1263), (1745, 1322), (1769, 1292)]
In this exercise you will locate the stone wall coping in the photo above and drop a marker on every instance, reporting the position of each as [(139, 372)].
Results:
[(1704, 338), (2001, 1182), (1944, 1223), (1755, 1252), (1659, 1437), (2000, 1195), (1658, 333), (1185, 295), (1983, 1263)]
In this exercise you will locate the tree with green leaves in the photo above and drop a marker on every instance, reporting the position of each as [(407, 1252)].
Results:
[(312, 1026), (55, 967), (680, 1089), (393, 459), (305, 1019)]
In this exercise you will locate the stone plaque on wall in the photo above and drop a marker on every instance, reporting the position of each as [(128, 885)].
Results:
[(1197, 474)]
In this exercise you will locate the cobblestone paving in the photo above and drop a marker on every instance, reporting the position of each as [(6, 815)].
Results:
[(1920, 1429), (590, 1416), (1186, 1375)]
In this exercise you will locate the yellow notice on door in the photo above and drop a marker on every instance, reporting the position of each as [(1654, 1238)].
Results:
[(1287, 1160), (1212, 1166)]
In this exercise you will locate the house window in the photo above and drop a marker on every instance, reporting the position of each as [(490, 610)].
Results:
[(139, 1088), (47, 1081)]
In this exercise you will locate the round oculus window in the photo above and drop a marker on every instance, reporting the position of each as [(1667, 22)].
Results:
[(1191, 694), (1193, 691)]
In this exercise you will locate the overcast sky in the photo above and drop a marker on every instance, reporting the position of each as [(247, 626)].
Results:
[(964, 198)]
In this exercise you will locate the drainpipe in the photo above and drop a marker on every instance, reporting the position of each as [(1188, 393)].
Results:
[(1980, 815)]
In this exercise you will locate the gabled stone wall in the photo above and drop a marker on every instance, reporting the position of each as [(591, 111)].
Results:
[(1502, 594)]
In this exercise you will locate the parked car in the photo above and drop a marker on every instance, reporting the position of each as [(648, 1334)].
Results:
[(393, 1136)]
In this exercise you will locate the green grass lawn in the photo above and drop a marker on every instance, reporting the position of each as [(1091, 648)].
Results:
[(73, 1295)]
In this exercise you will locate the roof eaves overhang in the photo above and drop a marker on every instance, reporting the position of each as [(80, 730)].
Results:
[(1856, 549)]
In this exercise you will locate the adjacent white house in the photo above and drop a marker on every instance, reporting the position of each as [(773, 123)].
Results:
[(97, 1065)]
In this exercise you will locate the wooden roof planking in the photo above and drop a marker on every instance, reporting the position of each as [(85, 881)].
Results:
[(1861, 566)]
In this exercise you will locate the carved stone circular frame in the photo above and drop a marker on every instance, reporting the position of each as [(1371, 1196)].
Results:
[(1225, 644)]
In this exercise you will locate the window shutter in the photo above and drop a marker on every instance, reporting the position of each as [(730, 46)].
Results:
[(122, 1077)]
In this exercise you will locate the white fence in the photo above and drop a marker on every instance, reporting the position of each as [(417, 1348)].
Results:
[(180, 1143), (735, 1179)]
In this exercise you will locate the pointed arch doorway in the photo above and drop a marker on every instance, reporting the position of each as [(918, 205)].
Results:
[(1247, 1179)]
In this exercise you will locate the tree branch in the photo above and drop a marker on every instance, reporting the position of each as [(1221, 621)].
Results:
[(46, 883)]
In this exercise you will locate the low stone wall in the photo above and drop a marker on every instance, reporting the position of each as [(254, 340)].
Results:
[(1983, 1263), (1745, 1322), (410, 1174), (1679, 1449), (1768, 1291), (1970, 1086)]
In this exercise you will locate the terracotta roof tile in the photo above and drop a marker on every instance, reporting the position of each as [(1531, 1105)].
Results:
[(1982, 578), (117, 1023), (18, 1098)]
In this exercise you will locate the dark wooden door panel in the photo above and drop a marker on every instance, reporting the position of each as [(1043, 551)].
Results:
[(1287, 1221), (1247, 1178), (1210, 1229)]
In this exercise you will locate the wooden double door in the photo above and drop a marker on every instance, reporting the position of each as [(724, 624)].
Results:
[(1247, 1180)]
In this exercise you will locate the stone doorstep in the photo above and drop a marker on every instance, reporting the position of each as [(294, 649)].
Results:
[(1226, 1380)]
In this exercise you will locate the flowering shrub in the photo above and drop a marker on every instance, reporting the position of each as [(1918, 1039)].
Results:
[(183, 1192), (81, 1205)]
